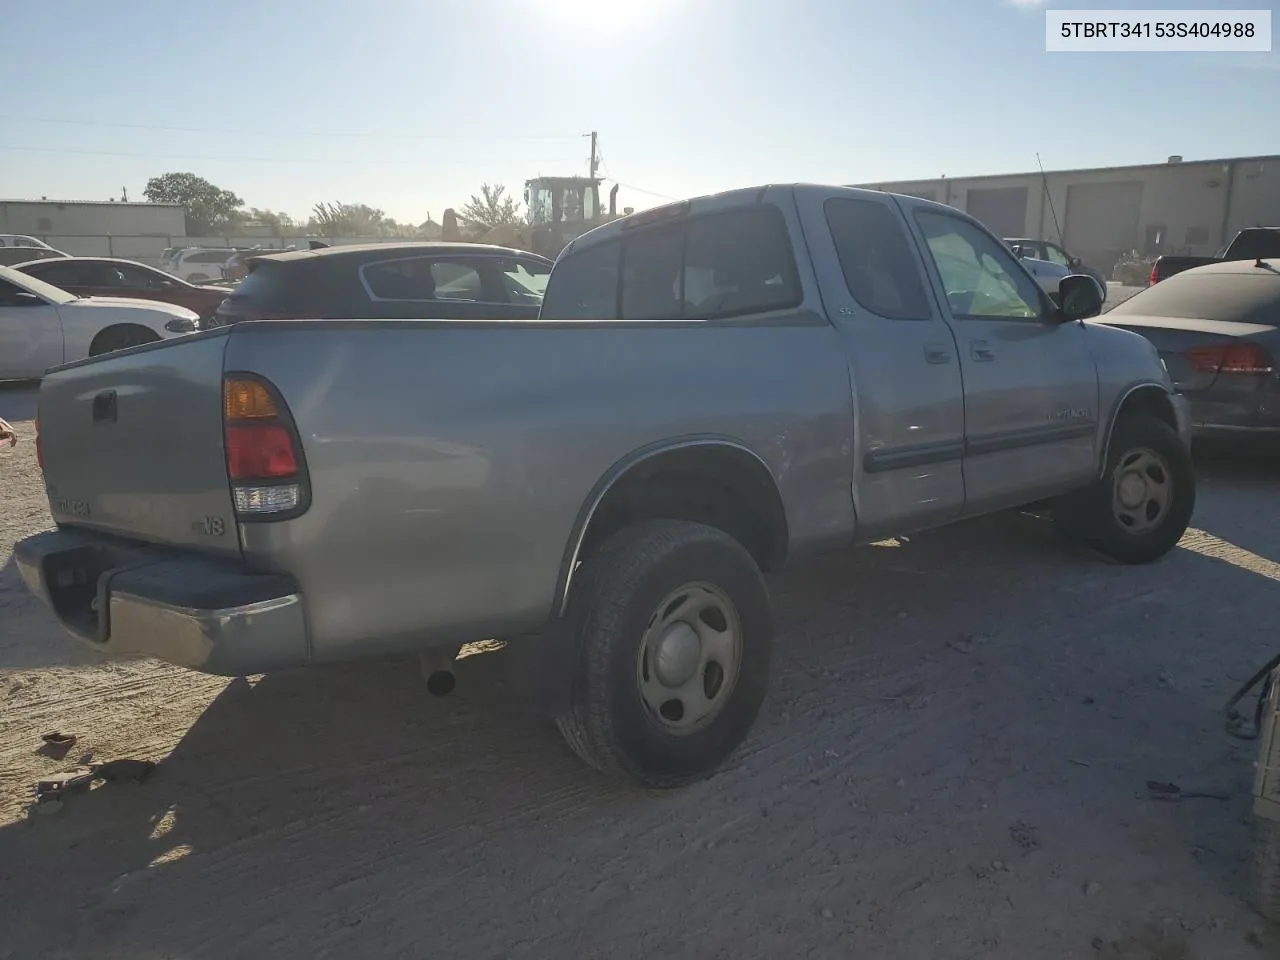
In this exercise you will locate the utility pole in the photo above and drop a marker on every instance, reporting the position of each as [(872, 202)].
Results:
[(595, 160)]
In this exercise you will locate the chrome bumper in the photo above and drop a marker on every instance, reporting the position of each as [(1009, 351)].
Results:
[(126, 600)]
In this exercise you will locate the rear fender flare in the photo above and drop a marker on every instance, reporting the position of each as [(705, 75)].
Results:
[(612, 476)]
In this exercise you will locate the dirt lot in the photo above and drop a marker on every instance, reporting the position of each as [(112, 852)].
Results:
[(951, 764)]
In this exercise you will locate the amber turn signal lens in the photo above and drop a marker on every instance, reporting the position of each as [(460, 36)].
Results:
[(246, 400)]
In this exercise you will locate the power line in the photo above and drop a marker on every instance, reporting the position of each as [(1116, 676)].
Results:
[(242, 159), (296, 133), (652, 193)]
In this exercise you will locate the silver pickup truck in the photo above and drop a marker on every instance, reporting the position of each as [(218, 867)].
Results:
[(714, 388)]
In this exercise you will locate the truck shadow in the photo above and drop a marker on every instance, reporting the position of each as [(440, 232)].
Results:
[(336, 798)]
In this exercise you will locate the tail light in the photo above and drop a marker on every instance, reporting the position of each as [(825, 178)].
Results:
[(1243, 357), (264, 454), (1155, 276)]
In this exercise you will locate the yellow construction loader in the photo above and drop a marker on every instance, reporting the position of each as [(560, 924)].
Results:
[(559, 209)]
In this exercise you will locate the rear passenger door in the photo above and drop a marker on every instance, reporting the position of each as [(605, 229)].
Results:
[(1030, 381), (902, 356)]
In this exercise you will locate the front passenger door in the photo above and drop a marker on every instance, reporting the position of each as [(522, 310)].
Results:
[(30, 334), (1030, 382)]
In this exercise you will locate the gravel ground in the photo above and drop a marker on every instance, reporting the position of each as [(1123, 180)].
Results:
[(951, 764)]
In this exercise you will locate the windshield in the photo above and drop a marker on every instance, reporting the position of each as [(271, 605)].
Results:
[(1236, 297), (41, 289)]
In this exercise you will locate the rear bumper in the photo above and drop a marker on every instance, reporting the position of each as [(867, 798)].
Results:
[(130, 600), (1219, 414)]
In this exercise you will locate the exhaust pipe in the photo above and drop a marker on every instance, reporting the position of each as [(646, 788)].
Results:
[(437, 668)]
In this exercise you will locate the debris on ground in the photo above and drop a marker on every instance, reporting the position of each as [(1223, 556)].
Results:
[(53, 788), (56, 745), (1171, 791)]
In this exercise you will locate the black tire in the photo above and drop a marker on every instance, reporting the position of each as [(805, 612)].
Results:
[(111, 340), (616, 595), (1266, 867), (1087, 516)]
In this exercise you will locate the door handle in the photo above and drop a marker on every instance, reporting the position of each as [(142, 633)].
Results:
[(981, 351), (936, 353)]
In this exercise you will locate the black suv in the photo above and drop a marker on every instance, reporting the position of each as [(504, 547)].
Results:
[(393, 281)]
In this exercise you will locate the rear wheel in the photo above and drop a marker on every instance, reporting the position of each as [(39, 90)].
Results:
[(120, 338), (1139, 509), (671, 635)]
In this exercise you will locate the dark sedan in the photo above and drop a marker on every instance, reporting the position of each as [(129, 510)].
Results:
[(1217, 328), (110, 277), (405, 281)]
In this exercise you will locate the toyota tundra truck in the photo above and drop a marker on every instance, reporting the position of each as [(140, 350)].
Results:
[(714, 388)]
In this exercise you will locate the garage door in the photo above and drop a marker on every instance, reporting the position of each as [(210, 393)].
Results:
[(1101, 220), (1002, 209)]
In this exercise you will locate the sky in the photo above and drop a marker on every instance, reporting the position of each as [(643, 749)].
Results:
[(410, 105)]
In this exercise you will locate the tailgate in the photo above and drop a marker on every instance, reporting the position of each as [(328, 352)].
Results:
[(132, 444)]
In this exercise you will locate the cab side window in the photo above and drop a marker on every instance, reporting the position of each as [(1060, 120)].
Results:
[(877, 259), (979, 274)]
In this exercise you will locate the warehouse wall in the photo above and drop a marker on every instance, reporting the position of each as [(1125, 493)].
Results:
[(1192, 208), (49, 218)]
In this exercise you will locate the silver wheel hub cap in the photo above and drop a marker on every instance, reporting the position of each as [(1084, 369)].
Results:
[(1132, 490), (1142, 491), (676, 655), (689, 658)]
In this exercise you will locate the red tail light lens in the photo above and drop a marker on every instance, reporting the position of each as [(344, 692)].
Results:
[(1239, 358), (1151, 280), (260, 452), (265, 462)]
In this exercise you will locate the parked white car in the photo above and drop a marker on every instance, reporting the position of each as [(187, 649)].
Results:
[(21, 240), (42, 326), (198, 264), (1047, 273)]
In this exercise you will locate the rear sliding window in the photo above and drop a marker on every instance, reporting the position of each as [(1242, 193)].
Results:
[(1237, 297), (710, 267), (877, 258)]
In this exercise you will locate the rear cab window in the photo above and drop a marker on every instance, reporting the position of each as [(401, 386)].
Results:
[(877, 258), (705, 267)]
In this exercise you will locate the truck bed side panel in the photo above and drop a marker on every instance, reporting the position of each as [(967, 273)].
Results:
[(449, 461)]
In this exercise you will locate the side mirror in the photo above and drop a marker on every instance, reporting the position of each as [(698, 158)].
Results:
[(1078, 298), (1074, 263)]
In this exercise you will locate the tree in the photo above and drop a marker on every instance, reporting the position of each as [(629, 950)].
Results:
[(281, 224), (208, 208), (490, 208), (351, 220)]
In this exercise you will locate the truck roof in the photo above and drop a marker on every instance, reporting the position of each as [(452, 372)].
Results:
[(727, 200)]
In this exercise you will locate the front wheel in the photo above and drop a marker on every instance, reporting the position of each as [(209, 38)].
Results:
[(1139, 509), (120, 338), (671, 635)]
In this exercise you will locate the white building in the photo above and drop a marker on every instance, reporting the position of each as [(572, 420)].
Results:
[(86, 218), (1192, 207)]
